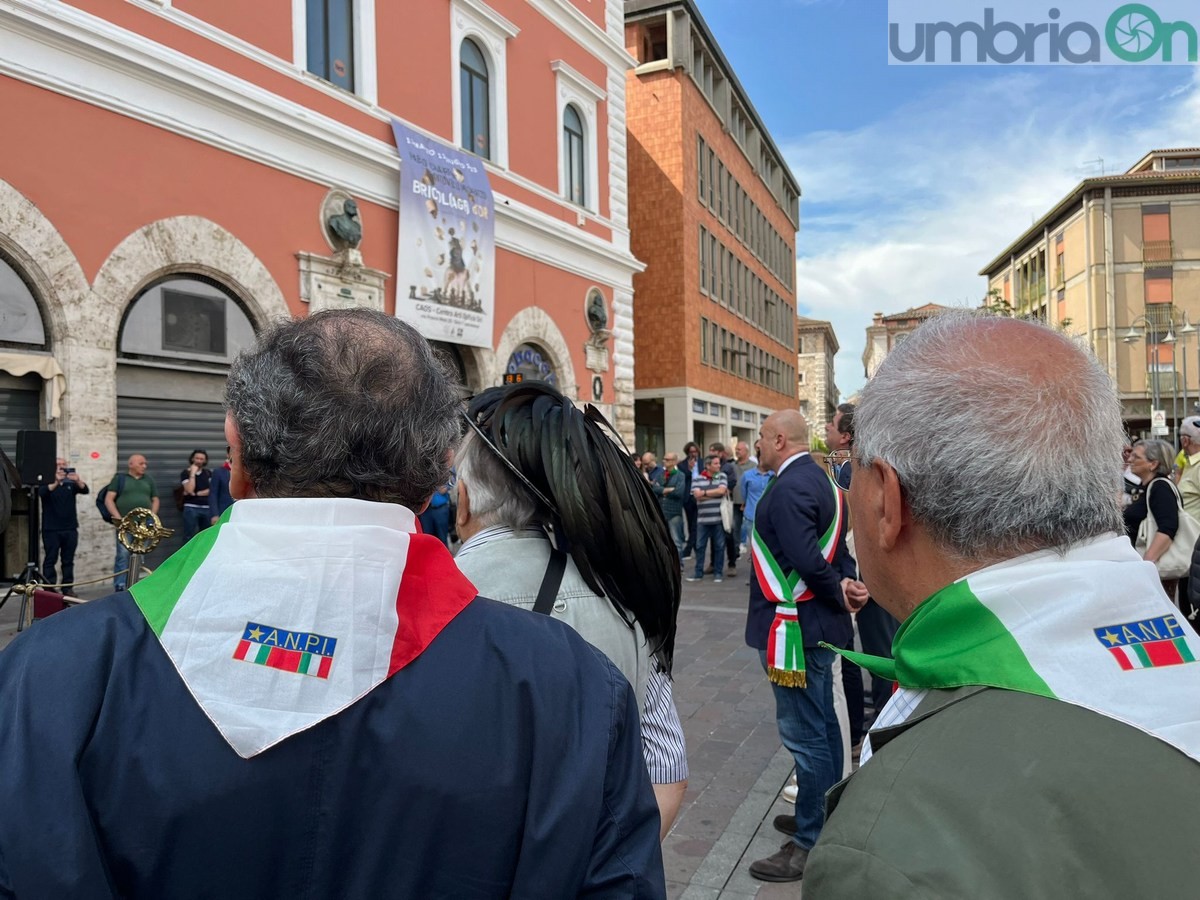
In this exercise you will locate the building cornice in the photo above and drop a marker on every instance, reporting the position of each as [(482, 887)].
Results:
[(583, 31), (577, 81)]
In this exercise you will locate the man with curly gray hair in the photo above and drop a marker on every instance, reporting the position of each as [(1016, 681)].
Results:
[(1042, 672), (289, 704)]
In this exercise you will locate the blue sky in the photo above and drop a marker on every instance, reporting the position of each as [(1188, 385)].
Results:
[(914, 177)]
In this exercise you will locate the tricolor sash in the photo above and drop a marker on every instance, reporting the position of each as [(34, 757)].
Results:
[(785, 588), (287, 611), (1091, 627)]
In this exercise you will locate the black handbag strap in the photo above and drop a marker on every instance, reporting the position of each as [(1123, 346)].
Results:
[(550, 582)]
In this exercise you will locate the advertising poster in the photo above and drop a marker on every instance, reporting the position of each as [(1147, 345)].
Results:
[(446, 254)]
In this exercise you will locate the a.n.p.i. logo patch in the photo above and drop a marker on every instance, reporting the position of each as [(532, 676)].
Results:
[(1147, 644), (291, 651)]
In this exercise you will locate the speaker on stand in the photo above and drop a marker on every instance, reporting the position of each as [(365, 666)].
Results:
[(37, 464)]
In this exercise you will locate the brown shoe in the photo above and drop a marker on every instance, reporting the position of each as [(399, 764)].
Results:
[(785, 825), (786, 865)]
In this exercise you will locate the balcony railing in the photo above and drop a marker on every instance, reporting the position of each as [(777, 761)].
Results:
[(1158, 253)]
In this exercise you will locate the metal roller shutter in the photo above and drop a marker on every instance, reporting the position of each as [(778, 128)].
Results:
[(18, 412), (166, 432)]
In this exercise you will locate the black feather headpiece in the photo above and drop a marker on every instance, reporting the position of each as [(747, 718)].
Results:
[(600, 508)]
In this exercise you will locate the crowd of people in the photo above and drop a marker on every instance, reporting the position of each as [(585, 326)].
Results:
[(407, 723)]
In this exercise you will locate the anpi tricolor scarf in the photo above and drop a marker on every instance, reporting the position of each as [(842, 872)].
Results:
[(1091, 627), (288, 611), (785, 588)]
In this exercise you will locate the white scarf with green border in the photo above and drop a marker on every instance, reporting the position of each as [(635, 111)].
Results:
[(1091, 627)]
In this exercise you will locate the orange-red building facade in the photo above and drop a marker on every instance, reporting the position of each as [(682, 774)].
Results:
[(714, 213), (176, 143)]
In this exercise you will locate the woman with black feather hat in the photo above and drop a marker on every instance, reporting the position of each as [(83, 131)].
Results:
[(555, 517)]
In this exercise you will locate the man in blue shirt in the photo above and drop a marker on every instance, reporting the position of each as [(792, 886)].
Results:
[(60, 524)]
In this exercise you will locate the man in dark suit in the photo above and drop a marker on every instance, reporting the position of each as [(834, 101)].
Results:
[(802, 594)]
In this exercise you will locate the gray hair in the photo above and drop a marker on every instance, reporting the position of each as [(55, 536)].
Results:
[(344, 403), (1191, 427), (497, 497), (994, 460), (1160, 453)]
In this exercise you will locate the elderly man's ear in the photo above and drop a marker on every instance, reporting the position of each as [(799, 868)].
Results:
[(462, 513), (879, 501)]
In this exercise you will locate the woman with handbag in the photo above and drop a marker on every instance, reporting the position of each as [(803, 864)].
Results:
[(1155, 520)]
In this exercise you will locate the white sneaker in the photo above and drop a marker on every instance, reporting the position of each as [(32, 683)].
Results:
[(790, 790)]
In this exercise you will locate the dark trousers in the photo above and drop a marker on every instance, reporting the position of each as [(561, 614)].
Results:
[(852, 685), (876, 628), (60, 542), (808, 728), (711, 531), (689, 513), (733, 538)]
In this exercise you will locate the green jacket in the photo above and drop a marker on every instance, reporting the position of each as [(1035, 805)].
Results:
[(986, 793)]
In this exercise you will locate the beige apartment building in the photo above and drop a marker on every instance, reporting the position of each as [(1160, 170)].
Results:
[(1117, 263), (816, 346)]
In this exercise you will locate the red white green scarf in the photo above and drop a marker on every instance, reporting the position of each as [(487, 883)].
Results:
[(288, 611), (1091, 627), (785, 588)]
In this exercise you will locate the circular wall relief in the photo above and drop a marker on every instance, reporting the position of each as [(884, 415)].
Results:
[(333, 204), (595, 310)]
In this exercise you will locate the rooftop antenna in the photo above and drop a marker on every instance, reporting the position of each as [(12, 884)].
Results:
[(1092, 164)]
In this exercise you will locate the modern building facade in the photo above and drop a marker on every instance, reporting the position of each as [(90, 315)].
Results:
[(714, 212), (816, 346), (886, 331), (183, 163), (1116, 262)]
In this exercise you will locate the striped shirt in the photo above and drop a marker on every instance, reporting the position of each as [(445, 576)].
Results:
[(662, 734), (895, 711), (708, 510)]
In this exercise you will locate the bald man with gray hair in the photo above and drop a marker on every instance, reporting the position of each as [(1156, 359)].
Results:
[(1045, 681)]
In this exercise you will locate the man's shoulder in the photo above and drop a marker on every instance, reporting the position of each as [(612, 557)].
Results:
[(77, 641), (914, 806)]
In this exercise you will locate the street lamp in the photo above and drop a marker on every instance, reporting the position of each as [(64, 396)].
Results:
[(1185, 332), (1154, 328)]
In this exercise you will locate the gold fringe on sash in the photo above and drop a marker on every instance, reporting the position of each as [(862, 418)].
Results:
[(787, 678)]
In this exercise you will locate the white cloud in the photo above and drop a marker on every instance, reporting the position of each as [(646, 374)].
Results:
[(906, 210)]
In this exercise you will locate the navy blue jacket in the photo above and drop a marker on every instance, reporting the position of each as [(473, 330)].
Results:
[(791, 517), (505, 761), (219, 498)]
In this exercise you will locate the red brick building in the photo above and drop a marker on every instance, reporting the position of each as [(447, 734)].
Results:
[(713, 214)]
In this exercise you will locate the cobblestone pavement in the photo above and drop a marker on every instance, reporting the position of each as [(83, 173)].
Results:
[(737, 764)]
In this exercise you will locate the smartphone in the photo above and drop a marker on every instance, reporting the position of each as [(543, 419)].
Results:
[(69, 471)]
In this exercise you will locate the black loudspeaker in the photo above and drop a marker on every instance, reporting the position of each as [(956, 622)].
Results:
[(37, 456)]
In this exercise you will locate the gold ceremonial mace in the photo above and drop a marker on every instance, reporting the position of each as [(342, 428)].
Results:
[(140, 531)]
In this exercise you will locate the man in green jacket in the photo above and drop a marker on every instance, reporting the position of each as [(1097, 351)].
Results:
[(1045, 737), (670, 488)]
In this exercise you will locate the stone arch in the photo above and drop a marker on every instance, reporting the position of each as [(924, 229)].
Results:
[(37, 249), (535, 325), (182, 245)]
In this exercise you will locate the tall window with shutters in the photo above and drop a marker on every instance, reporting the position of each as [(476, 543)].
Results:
[(474, 83)]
